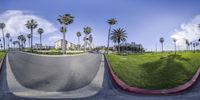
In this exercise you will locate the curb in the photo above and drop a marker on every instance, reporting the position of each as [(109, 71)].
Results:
[(127, 88), (45, 55), (2, 61)]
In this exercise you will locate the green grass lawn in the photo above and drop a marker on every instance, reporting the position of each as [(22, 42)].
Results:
[(1, 55), (155, 71)]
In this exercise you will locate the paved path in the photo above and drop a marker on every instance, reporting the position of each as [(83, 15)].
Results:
[(108, 90)]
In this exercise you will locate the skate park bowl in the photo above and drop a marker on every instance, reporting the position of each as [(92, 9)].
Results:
[(36, 76)]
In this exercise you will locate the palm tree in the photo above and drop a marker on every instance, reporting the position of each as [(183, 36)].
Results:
[(65, 20), (191, 46), (2, 26), (40, 31), (1, 46), (11, 42), (187, 43), (29, 39), (31, 24), (194, 45), (87, 30), (7, 39), (162, 41), (118, 36), (78, 34), (198, 25), (111, 22), (91, 40), (174, 40), (23, 41), (20, 39), (14, 43)]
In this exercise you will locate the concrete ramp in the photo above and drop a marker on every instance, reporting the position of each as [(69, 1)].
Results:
[(37, 76)]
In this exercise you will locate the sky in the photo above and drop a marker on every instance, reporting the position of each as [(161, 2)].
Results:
[(145, 21)]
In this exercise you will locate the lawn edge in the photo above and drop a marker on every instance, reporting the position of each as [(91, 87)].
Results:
[(46, 55), (2, 61), (130, 89)]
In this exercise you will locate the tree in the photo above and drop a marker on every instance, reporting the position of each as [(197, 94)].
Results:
[(174, 40), (198, 25), (2, 26), (87, 30), (11, 42), (40, 31), (65, 20), (194, 45), (111, 22), (191, 45), (162, 41), (20, 39), (31, 24), (23, 41), (91, 40), (78, 34), (7, 39), (118, 36), (187, 43), (1, 46), (14, 43), (29, 39)]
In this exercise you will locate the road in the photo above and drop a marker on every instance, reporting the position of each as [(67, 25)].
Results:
[(67, 73)]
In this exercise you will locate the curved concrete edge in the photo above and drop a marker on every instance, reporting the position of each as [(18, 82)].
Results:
[(51, 55), (93, 88), (2, 61), (127, 88)]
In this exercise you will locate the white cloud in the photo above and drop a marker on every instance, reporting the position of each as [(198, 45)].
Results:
[(15, 21), (189, 31)]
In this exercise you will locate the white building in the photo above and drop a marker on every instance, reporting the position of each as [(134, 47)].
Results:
[(69, 45), (38, 46)]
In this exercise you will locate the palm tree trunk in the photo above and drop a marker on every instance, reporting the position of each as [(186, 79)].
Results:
[(162, 46), (64, 44), (108, 39), (118, 48), (40, 42), (3, 40), (85, 44), (175, 48), (31, 39), (19, 45), (8, 42), (22, 45), (79, 43)]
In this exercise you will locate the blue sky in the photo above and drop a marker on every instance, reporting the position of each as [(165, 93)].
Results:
[(145, 21)]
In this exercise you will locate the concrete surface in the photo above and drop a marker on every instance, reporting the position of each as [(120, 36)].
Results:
[(108, 91)]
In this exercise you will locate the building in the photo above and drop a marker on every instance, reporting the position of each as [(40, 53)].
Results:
[(69, 45), (38, 46)]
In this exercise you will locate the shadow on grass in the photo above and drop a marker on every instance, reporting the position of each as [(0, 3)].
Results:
[(168, 72)]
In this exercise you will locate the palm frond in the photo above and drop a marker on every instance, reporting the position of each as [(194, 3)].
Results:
[(118, 35)]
